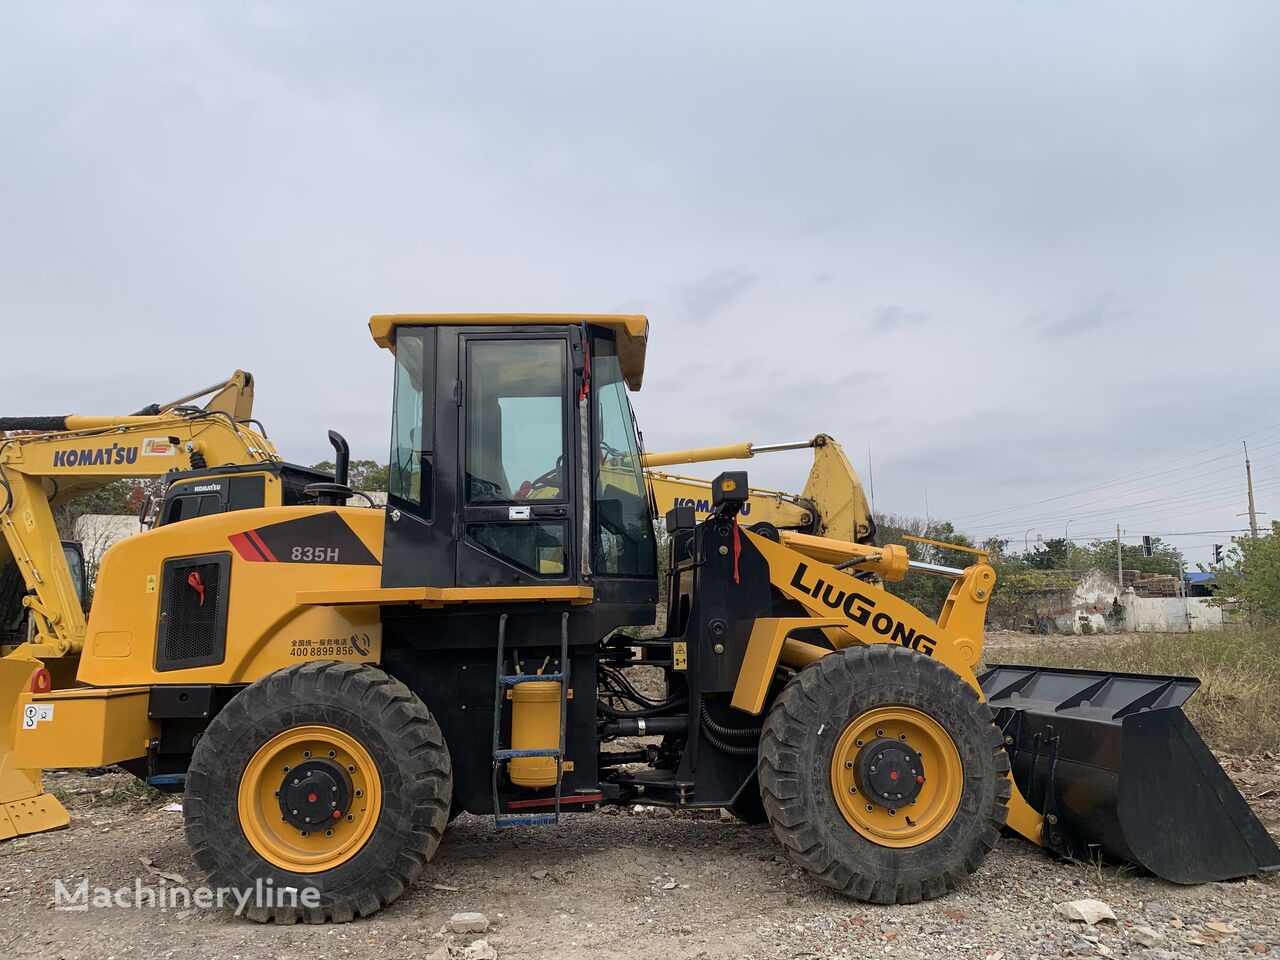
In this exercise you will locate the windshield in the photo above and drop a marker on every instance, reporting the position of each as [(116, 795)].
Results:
[(624, 539), (409, 476)]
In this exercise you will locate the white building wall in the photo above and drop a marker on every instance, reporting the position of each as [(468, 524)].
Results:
[(1170, 614)]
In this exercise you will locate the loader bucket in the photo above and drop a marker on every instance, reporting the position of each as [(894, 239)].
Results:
[(1114, 765), (24, 806)]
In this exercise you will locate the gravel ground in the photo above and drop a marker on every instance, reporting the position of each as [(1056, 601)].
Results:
[(635, 884)]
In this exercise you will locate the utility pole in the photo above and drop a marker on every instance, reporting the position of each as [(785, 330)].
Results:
[(1248, 477), (1119, 562)]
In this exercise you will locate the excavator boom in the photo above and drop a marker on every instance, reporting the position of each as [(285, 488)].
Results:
[(45, 462), (833, 503)]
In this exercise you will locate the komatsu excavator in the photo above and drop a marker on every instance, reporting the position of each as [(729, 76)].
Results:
[(214, 456), (327, 685), (832, 504)]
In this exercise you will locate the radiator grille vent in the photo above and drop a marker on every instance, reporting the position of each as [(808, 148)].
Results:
[(193, 612)]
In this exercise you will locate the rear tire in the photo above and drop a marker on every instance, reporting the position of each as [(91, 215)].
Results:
[(817, 714), (396, 797)]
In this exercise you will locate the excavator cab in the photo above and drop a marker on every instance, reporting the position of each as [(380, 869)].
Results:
[(200, 493)]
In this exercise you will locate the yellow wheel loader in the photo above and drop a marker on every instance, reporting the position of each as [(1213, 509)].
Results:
[(213, 457), (327, 685)]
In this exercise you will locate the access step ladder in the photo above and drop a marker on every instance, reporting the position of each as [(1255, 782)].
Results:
[(506, 681)]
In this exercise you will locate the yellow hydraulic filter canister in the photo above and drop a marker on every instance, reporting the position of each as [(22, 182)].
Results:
[(535, 725)]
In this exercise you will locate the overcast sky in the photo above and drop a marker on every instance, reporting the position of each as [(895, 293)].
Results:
[(1019, 251)]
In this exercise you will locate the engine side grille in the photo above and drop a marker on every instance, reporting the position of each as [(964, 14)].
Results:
[(193, 612)]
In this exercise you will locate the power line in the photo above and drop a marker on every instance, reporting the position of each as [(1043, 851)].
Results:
[(1124, 477), (1209, 498), (1117, 506)]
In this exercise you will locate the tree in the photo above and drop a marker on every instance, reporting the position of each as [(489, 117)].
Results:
[(96, 532), (118, 498), (926, 593), (366, 475), (1165, 558), (1051, 555), (1251, 576)]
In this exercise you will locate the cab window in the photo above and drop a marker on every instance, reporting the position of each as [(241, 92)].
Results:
[(409, 477), (516, 447), (623, 535)]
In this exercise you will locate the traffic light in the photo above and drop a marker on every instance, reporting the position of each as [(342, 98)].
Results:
[(1147, 549), (1217, 553)]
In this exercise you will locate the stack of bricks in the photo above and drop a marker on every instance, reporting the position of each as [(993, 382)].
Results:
[(1151, 584)]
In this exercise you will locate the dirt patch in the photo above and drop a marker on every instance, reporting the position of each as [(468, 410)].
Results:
[(623, 885)]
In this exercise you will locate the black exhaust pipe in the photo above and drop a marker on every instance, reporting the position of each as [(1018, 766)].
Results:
[(338, 492)]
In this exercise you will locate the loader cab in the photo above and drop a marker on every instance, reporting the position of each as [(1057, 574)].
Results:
[(515, 460)]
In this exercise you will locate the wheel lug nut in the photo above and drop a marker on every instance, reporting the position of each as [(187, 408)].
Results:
[(306, 753), (870, 808), (879, 733), (848, 764), (902, 736), (853, 789)]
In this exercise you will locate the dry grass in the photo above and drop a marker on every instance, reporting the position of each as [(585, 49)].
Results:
[(1238, 705)]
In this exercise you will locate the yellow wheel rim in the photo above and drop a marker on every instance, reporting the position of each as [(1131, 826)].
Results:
[(335, 840), (912, 823)]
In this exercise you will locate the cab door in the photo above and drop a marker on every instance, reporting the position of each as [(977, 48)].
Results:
[(519, 462)]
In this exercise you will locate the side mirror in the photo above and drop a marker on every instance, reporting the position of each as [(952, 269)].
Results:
[(144, 512)]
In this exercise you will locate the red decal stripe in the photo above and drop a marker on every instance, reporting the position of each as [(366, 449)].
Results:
[(262, 547), (245, 548)]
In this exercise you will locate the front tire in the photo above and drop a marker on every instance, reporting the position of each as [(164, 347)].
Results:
[(901, 840), (331, 776)]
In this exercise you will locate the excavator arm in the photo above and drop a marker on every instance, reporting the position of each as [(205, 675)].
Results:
[(833, 503), (47, 461)]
